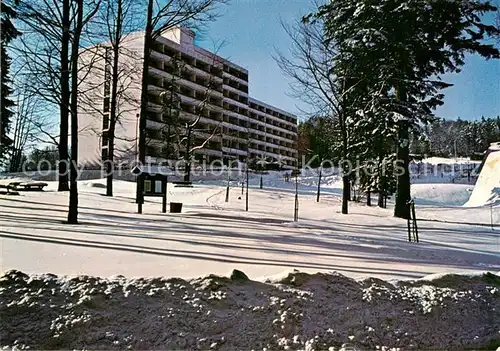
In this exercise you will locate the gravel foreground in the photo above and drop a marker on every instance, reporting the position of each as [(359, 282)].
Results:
[(302, 311)]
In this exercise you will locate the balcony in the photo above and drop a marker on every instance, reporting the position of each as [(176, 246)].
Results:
[(154, 106), (234, 151), (209, 152), (235, 79), (182, 81), (151, 124), (234, 102), (279, 129), (240, 139), (233, 127), (235, 115), (191, 117), (285, 120), (198, 71), (160, 56), (235, 90)]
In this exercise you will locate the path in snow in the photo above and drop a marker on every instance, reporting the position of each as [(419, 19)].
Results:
[(212, 236)]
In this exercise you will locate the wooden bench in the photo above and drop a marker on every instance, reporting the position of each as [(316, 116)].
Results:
[(9, 190), (28, 186), (183, 184)]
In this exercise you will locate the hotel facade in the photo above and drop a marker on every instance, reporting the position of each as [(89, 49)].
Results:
[(186, 83)]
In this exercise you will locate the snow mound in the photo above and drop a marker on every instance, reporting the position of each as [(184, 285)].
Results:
[(487, 188), (437, 276), (302, 311), (448, 161), (440, 194)]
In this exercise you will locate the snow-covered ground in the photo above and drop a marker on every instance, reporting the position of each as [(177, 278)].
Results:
[(212, 236), (487, 189), (305, 311)]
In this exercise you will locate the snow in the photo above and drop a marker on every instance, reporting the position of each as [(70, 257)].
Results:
[(301, 312), (494, 146), (437, 276), (215, 237), (112, 285), (487, 189), (449, 161), (441, 194)]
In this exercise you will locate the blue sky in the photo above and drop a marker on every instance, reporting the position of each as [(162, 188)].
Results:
[(252, 32)]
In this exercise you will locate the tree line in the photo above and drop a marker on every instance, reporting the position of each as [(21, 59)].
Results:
[(457, 138), (373, 71), (442, 138)]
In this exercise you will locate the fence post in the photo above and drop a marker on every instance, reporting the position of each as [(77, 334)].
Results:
[(296, 209), (246, 200), (415, 228), (491, 217), (409, 230), (228, 180)]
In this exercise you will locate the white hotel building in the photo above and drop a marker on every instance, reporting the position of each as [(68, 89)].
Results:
[(246, 127)]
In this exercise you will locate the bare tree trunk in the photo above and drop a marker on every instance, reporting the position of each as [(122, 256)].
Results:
[(346, 184), (228, 183), (346, 191), (75, 45), (16, 157), (187, 171), (148, 42), (369, 197), (65, 97), (114, 92), (380, 202), (319, 184)]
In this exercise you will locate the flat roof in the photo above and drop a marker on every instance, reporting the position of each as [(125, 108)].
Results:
[(258, 102)]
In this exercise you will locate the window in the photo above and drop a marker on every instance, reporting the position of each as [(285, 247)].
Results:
[(105, 140), (105, 122), (106, 104), (104, 154), (107, 86), (107, 72)]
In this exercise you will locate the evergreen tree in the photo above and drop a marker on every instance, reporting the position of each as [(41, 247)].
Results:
[(8, 33), (318, 134), (399, 49), (470, 137)]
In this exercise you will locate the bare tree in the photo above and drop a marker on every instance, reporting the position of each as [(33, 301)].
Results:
[(159, 18), (171, 112), (114, 18), (111, 79), (45, 50), (497, 23), (83, 16), (24, 127), (309, 65), (181, 130)]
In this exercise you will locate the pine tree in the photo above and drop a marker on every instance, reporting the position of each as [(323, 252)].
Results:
[(399, 49), (8, 33)]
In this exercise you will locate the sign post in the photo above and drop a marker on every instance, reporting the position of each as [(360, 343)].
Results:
[(296, 173), (154, 185)]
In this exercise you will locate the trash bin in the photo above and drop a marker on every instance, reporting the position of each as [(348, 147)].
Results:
[(175, 207)]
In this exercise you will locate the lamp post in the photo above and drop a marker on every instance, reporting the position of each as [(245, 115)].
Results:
[(296, 208), (246, 197), (228, 180)]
